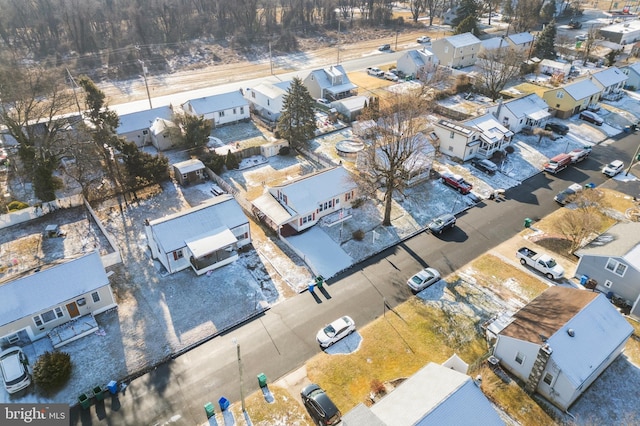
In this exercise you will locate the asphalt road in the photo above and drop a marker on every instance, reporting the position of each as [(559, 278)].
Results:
[(282, 339)]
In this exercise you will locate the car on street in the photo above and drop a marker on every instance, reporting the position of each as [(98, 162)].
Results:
[(390, 76), (423, 279), (323, 101), (591, 117), (581, 37), (335, 331), (424, 39), (375, 71), (558, 128), (14, 369), (484, 165), (320, 406), (579, 154), (613, 168), (442, 222), (457, 182), (566, 196), (575, 25), (384, 47)]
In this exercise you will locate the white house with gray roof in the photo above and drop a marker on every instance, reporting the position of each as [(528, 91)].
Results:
[(633, 75), (612, 260), (522, 42), (530, 110), (266, 99), (330, 83), (435, 395), (417, 62), (135, 126), (610, 80), (458, 51), (560, 342), (297, 205), (34, 305), (221, 109), (204, 237)]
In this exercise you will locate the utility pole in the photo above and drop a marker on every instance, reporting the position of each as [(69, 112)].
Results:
[(74, 86), (397, 32), (240, 370), (338, 63), (144, 75), (270, 58), (635, 157)]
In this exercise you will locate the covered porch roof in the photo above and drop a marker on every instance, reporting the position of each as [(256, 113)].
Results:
[(210, 242)]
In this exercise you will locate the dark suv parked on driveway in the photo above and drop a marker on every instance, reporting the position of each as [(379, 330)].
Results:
[(560, 129), (485, 165)]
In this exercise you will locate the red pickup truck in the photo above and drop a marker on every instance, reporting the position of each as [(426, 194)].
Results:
[(457, 182)]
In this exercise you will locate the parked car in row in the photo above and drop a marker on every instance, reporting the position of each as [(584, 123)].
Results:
[(14, 369), (613, 168), (541, 262), (566, 196), (423, 279), (442, 222), (424, 39), (375, 71), (558, 128), (390, 76), (591, 117), (335, 331), (579, 154), (320, 407), (484, 165)]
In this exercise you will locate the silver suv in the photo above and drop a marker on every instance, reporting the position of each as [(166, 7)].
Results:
[(14, 367), (442, 222)]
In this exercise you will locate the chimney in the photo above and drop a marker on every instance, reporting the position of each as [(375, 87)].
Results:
[(497, 113)]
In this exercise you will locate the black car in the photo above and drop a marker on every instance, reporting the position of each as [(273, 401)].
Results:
[(485, 165), (319, 405), (560, 129)]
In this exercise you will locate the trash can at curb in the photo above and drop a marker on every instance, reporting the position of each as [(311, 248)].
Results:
[(319, 281), (584, 279), (528, 222), (113, 387), (223, 403), (84, 401), (262, 380), (98, 391), (208, 408)]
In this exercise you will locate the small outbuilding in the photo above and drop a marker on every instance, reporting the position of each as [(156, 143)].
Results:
[(189, 172)]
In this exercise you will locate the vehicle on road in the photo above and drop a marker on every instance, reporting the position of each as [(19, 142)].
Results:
[(591, 117), (441, 223), (320, 406), (484, 165), (390, 76), (384, 47), (579, 154), (14, 369), (613, 168), (566, 196), (558, 128), (457, 182), (375, 71), (540, 262), (581, 37), (575, 25), (424, 39), (335, 331), (423, 279), (557, 163)]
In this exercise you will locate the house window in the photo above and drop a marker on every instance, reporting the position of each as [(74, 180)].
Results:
[(221, 114), (450, 147), (348, 196), (48, 316), (559, 94), (616, 267), (321, 207), (234, 111), (241, 110), (37, 321), (145, 132), (608, 284), (268, 101), (253, 95), (178, 254), (548, 379), (95, 296), (452, 135), (59, 312), (336, 201), (520, 358)]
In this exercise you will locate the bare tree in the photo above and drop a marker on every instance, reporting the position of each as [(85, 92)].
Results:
[(542, 133), (584, 220), (589, 44), (496, 67)]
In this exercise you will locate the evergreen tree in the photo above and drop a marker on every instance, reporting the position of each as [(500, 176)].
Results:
[(468, 25), (544, 47), (297, 123), (196, 130), (466, 9), (548, 11), (231, 161)]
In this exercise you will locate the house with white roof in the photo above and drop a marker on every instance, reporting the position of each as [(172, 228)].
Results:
[(623, 33), (162, 133), (297, 205), (632, 72), (572, 98), (522, 42), (610, 80), (514, 114), (350, 108), (266, 99), (330, 83), (551, 67), (35, 305), (417, 62), (189, 172), (612, 261), (457, 51), (435, 395), (561, 341), (135, 126), (204, 237), (225, 108)]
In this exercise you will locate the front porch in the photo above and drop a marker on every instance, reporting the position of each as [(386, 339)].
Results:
[(72, 330)]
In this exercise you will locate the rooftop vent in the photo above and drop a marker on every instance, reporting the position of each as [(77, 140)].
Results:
[(570, 332)]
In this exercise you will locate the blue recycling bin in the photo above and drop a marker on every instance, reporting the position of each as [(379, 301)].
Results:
[(224, 403), (113, 387), (584, 279)]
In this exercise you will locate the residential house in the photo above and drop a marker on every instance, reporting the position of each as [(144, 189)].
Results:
[(204, 237), (36, 304), (572, 98), (298, 205), (632, 72), (551, 67), (561, 341), (635, 50), (623, 33), (493, 135), (417, 62), (435, 395), (610, 80), (531, 111), (450, 15), (613, 261), (162, 133), (189, 172), (135, 126), (266, 99), (493, 43), (457, 51), (521, 42), (330, 83), (225, 108), (350, 108)]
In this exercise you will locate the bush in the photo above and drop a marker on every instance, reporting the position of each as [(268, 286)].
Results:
[(509, 149), (358, 202), (52, 371), (285, 150), (358, 235), (377, 387), (17, 205)]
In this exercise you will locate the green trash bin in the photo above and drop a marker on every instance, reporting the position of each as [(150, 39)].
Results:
[(262, 380), (208, 408), (527, 222), (98, 391), (319, 281), (84, 400)]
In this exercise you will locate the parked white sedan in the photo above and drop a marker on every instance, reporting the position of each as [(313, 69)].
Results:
[(423, 279), (335, 331)]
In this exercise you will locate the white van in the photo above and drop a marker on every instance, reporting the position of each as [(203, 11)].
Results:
[(14, 369)]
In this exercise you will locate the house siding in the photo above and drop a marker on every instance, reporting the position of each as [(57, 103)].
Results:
[(456, 146), (633, 79), (594, 267), (506, 349), (452, 57)]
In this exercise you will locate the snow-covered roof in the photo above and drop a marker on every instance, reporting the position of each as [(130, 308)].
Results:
[(550, 63), (489, 126), (340, 88), (215, 103), (159, 125), (621, 240), (304, 194), (174, 230), (275, 211), (528, 106), (597, 330), (142, 119), (419, 56), (622, 27), (493, 43), (273, 90), (353, 103), (211, 241), (436, 395), (609, 76), (463, 129), (521, 38), (581, 89), (188, 166), (323, 78), (51, 286), (462, 40)]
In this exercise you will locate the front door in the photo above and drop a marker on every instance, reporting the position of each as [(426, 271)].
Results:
[(72, 308)]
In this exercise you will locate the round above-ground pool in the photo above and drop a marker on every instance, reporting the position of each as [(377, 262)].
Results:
[(349, 149)]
